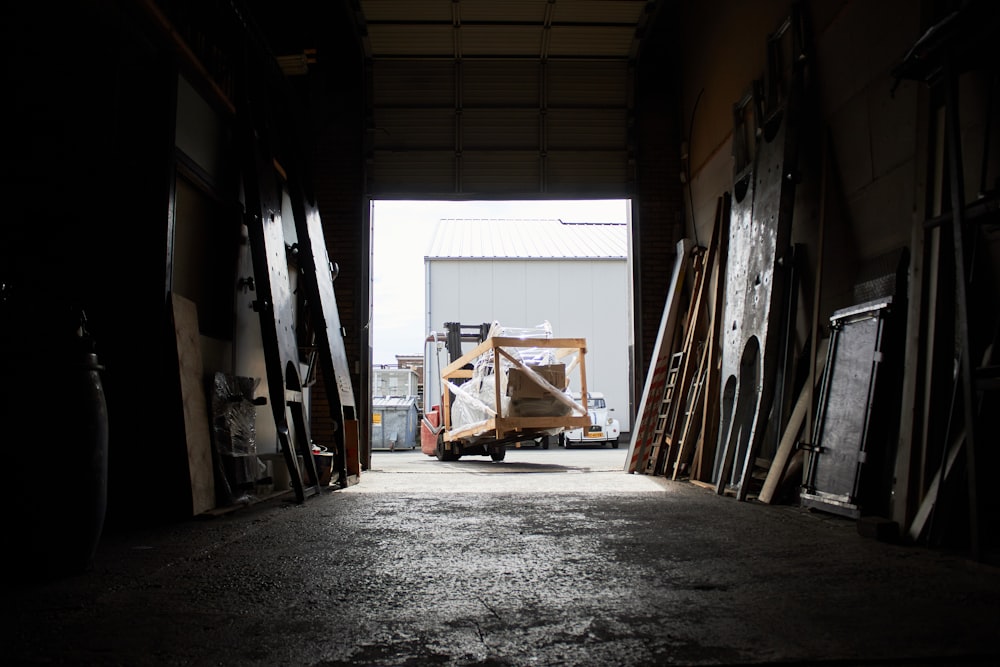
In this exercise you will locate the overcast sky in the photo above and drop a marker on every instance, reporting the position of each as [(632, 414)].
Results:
[(402, 232)]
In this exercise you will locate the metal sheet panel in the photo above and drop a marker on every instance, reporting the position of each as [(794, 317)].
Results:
[(414, 130), (598, 172), (477, 239), (503, 41), (415, 171), (847, 440), (538, 93), (485, 83), (590, 41), (569, 129), (406, 40), (599, 11), (498, 171), (398, 10), (399, 84), (500, 129), (587, 84)]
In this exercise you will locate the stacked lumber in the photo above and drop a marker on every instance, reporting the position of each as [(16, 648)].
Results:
[(678, 414)]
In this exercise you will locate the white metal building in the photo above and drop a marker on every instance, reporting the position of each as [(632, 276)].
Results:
[(522, 273)]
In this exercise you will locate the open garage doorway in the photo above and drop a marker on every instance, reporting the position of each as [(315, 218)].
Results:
[(519, 265)]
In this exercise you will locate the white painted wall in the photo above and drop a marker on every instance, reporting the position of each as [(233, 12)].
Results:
[(580, 298)]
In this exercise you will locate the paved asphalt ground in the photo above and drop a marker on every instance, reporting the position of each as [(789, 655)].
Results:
[(549, 558)]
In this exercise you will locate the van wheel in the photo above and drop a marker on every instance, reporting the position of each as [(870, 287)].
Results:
[(545, 442), (614, 444)]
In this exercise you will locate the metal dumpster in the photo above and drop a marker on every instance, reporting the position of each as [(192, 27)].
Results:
[(394, 422)]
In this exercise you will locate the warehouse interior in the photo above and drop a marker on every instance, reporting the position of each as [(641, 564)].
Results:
[(158, 146)]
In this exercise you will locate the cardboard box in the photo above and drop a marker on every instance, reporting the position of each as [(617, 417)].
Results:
[(519, 385)]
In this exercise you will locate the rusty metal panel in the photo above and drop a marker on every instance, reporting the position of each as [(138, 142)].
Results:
[(760, 254), (734, 339)]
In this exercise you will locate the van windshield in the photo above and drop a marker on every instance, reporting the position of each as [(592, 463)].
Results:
[(595, 402)]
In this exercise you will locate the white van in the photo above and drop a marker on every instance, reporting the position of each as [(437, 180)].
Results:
[(603, 427)]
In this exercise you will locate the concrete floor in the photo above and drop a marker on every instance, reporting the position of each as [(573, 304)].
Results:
[(551, 557)]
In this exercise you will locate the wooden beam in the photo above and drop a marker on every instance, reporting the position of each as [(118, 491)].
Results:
[(930, 498), (708, 434), (681, 432), (786, 446), (194, 402), (652, 393)]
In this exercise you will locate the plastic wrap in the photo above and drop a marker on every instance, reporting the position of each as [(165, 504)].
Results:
[(528, 392), (234, 432)]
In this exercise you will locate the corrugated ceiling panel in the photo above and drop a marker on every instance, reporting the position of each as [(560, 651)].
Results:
[(423, 83), (491, 172), (588, 41), (411, 40), (598, 11), (570, 169), (586, 128), (408, 10), (506, 40), (426, 172), (414, 129), (507, 10), (489, 82), (588, 11), (500, 128), (587, 83), (535, 110)]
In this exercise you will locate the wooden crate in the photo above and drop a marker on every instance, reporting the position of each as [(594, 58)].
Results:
[(501, 427)]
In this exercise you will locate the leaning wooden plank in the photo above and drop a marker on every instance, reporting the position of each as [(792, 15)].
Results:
[(904, 477), (194, 404), (779, 463), (683, 387), (931, 497), (681, 431), (692, 422), (652, 393), (708, 433)]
